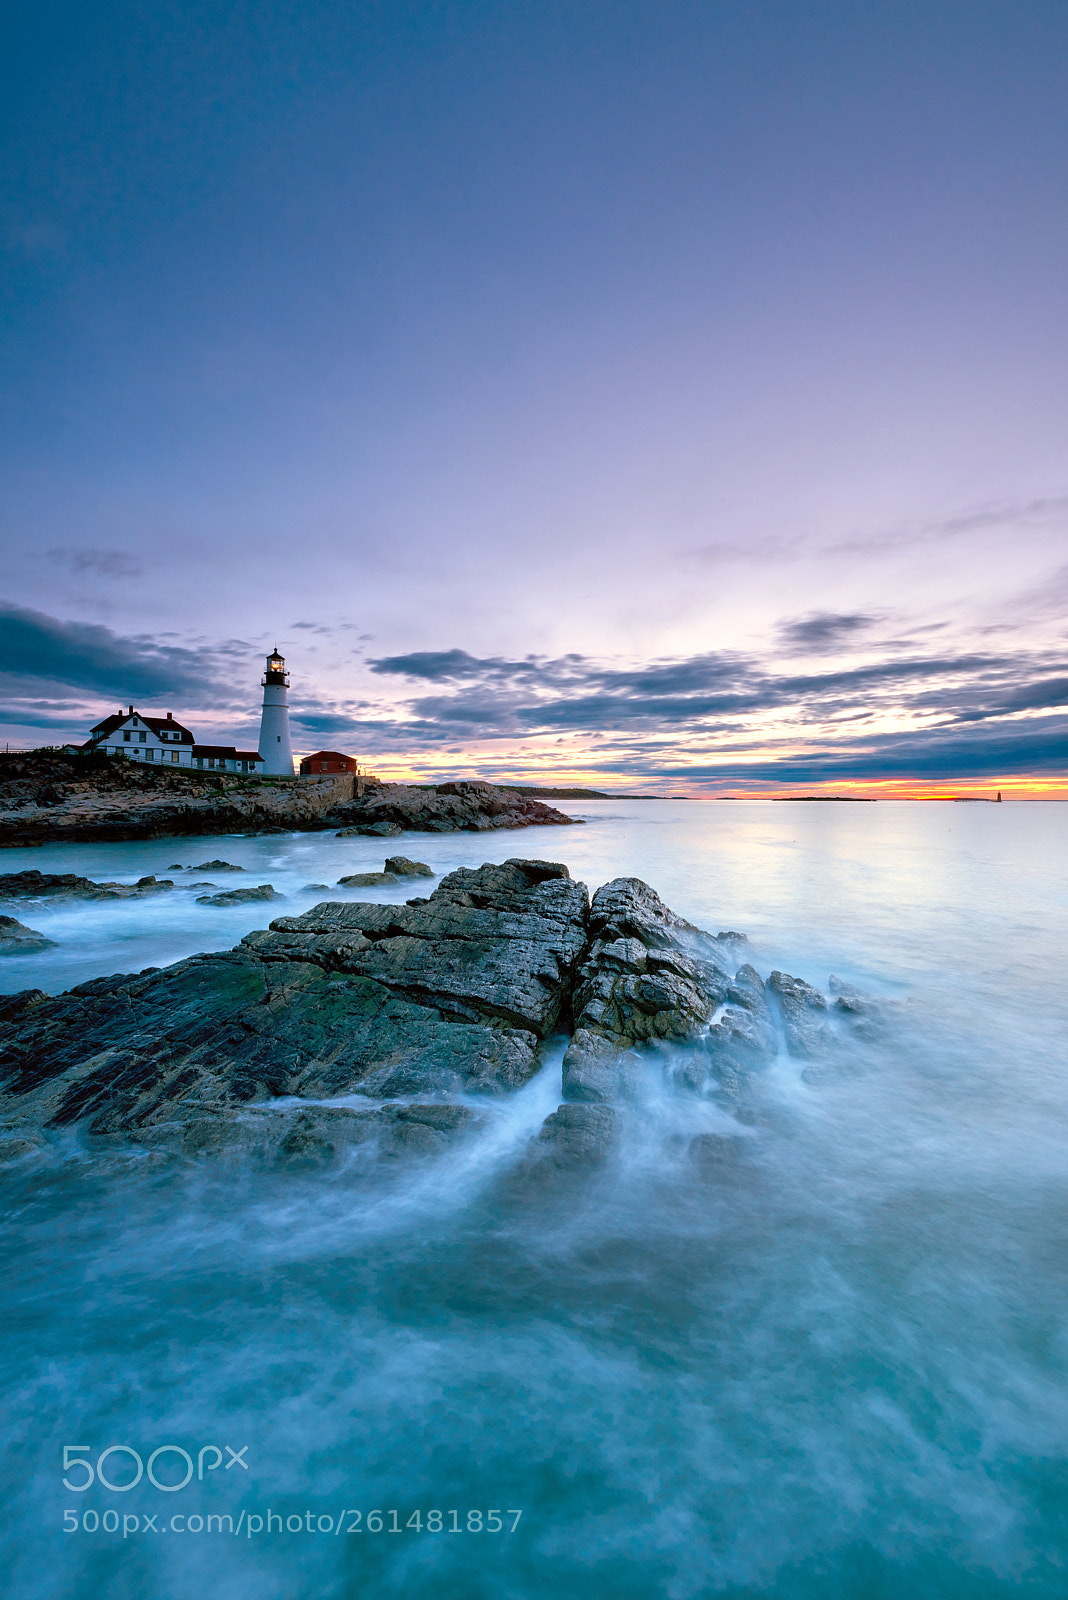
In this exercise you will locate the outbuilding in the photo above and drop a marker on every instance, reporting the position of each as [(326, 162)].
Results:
[(327, 761)]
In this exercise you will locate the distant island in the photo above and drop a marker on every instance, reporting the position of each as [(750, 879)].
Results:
[(583, 794)]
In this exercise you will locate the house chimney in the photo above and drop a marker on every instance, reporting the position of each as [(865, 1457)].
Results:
[(130, 713), (170, 716)]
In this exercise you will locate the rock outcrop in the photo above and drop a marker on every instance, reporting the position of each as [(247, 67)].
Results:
[(387, 809), (396, 869), (405, 1008), (455, 994), (45, 796), (18, 940)]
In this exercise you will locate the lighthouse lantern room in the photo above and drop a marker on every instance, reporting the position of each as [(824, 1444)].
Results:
[(275, 748)]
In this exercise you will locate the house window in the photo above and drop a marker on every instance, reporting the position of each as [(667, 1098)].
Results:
[(200, 761), (174, 755), (142, 737), (150, 755), (126, 736)]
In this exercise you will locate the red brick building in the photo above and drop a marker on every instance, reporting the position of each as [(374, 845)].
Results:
[(327, 761)]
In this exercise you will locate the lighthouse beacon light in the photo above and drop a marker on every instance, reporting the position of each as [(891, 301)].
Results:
[(275, 747)]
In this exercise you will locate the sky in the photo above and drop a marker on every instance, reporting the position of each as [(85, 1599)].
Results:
[(667, 397)]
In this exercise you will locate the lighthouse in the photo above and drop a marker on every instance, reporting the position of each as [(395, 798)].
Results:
[(275, 748)]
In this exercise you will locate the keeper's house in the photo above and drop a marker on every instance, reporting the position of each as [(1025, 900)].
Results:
[(161, 739)]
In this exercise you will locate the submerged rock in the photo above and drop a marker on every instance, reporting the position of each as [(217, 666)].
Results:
[(578, 1135), (18, 940), (217, 866), (371, 830), (235, 897), (396, 869), (804, 1014), (35, 885), (299, 1138)]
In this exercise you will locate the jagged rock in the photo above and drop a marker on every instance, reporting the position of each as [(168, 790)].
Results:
[(18, 940), (746, 989), (578, 1135), (386, 809), (716, 1154), (176, 866), (597, 1069), (217, 866), (403, 867), (15, 1005), (234, 897), (499, 940), (739, 1044), (649, 975), (804, 1013), (388, 1001), (367, 880), (13, 1150), (866, 1015), (316, 888), (743, 1038), (371, 830)]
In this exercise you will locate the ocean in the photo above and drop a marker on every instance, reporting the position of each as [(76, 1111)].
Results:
[(830, 1366)]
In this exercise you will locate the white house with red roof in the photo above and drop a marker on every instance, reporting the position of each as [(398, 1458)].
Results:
[(165, 742)]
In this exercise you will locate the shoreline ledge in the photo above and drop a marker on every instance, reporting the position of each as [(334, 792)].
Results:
[(416, 1009), (47, 798)]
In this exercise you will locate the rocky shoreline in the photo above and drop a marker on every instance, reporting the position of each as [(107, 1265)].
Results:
[(47, 798), (415, 1009)]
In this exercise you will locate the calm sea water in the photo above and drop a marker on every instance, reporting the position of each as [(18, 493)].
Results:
[(834, 1367)]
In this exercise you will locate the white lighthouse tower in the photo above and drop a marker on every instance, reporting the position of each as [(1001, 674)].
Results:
[(275, 748)]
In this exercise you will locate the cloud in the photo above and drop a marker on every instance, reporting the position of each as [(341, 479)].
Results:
[(94, 661), (982, 710), (824, 630), (1035, 748), (1047, 511), (435, 665), (101, 563)]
